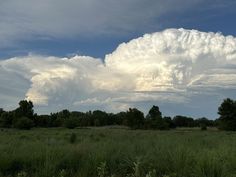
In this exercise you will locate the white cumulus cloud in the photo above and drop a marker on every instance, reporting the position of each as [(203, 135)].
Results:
[(176, 59), (173, 66)]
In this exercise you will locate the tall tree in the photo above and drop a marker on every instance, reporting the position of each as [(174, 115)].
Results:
[(25, 109), (135, 118), (227, 112), (1, 111), (154, 119), (154, 113), (183, 121), (6, 119)]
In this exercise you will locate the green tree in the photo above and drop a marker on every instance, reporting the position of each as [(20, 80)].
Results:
[(204, 121), (155, 120), (169, 122), (43, 121), (1, 111), (64, 114), (100, 118), (135, 118), (71, 122), (227, 112), (23, 123), (25, 109), (183, 121), (154, 113), (6, 119), (120, 118)]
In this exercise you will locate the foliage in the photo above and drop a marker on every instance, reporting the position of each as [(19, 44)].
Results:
[(183, 121), (102, 170), (25, 109), (204, 121), (6, 119), (227, 112), (23, 123), (71, 123), (64, 114), (203, 127), (169, 122), (155, 120), (43, 121), (100, 118), (73, 138), (135, 118), (1, 111), (154, 113), (22, 174), (62, 173), (176, 153), (116, 152)]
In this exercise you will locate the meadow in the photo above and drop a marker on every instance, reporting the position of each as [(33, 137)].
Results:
[(117, 152)]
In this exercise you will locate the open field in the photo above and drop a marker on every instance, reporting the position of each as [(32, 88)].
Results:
[(117, 152)]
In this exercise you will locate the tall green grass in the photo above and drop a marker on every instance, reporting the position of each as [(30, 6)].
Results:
[(117, 153)]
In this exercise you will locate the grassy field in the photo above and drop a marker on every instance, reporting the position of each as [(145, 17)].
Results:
[(117, 152)]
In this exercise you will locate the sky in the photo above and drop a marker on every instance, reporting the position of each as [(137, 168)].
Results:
[(112, 55)]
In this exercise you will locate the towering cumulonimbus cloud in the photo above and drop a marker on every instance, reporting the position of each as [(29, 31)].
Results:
[(168, 66), (175, 59)]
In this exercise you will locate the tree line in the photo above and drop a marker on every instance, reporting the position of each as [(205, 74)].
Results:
[(24, 117)]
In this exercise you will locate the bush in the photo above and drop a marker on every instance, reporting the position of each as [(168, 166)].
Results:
[(203, 127), (23, 123), (6, 119), (72, 138), (71, 123)]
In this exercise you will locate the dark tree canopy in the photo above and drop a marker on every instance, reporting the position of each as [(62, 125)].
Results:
[(227, 112), (64, 114), (154, 113), (6, 119), (71, 123), (25, 109), (155, 120), (23, 123), (1, 111), (135, 118), (132, 118), (183, 121), (204, 122)]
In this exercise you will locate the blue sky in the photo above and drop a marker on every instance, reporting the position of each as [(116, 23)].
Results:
[(34, 31), (214, 16)]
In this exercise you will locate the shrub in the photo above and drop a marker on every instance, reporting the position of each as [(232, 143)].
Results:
[(6, 119), (72, 138), (21, 174), (71, 123), (62, 173), (23, 123), (102, 170), (203, 127)]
